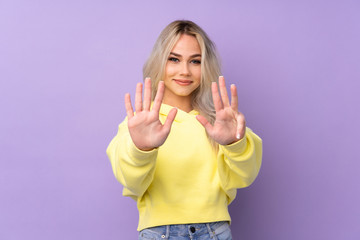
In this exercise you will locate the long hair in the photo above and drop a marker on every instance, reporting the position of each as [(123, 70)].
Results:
[(154, 67)]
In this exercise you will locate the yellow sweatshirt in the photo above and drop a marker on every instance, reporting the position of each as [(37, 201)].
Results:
[(183, 181)]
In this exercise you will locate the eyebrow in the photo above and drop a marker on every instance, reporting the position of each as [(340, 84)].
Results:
[(179, 55)]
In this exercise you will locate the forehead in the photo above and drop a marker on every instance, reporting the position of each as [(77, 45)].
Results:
[(187, 45)]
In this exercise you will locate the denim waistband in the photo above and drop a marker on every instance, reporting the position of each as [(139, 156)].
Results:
[(187, 230)]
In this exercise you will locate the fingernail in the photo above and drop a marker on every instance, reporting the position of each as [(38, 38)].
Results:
[(238, 136)]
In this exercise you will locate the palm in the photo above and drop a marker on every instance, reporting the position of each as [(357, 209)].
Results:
[(146, 130), (229, 125)]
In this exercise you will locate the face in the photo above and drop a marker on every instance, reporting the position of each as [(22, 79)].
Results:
[(182, 70)]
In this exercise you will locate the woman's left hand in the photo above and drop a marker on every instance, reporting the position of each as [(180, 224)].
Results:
[(229, 125)]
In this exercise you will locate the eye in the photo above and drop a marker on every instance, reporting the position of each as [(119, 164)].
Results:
[(195, 61), (173, 59)]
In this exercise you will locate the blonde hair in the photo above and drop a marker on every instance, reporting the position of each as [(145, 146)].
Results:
[(154, 67)]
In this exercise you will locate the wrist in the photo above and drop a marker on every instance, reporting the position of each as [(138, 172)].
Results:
[(144, 148)]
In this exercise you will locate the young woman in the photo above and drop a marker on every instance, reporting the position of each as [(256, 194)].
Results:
[(186, 149)]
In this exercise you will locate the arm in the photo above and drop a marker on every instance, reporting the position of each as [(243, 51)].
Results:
[(132, 167), (240, 150), (133, 151), (239, 163)]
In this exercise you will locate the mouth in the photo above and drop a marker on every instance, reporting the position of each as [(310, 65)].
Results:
[(183, 82)]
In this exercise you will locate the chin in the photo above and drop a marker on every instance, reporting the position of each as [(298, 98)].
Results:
[(184, 94)]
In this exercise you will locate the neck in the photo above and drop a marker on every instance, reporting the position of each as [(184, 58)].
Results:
[(182, 103)]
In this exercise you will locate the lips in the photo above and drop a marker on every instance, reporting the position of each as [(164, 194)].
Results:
[(183, 82)]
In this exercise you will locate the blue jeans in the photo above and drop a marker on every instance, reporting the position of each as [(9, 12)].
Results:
[(198, 231)]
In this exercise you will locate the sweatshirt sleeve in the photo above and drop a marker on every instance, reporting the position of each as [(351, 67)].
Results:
[(132, 167), (239, 163)]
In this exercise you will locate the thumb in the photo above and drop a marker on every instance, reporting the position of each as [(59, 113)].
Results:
[(208, 127), (169, 120)]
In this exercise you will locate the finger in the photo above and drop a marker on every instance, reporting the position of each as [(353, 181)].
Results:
[(223, 92), (238, 134), (128, 106), (147, 94), (159, 97), (216, 97), (138, 98), (208, 127), (169, 120), (234, 98), (241, 127)]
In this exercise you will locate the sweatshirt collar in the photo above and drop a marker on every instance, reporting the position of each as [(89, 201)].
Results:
[(180, 116)]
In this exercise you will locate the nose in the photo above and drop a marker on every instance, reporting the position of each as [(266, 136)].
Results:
[(185, 70)]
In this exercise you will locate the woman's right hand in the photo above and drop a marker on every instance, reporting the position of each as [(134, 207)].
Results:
[(145, 128)]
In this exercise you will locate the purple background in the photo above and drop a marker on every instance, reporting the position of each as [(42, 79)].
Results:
[(65, 66)]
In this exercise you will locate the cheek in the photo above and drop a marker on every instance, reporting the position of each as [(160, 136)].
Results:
[(197, 72), (169, 70)]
